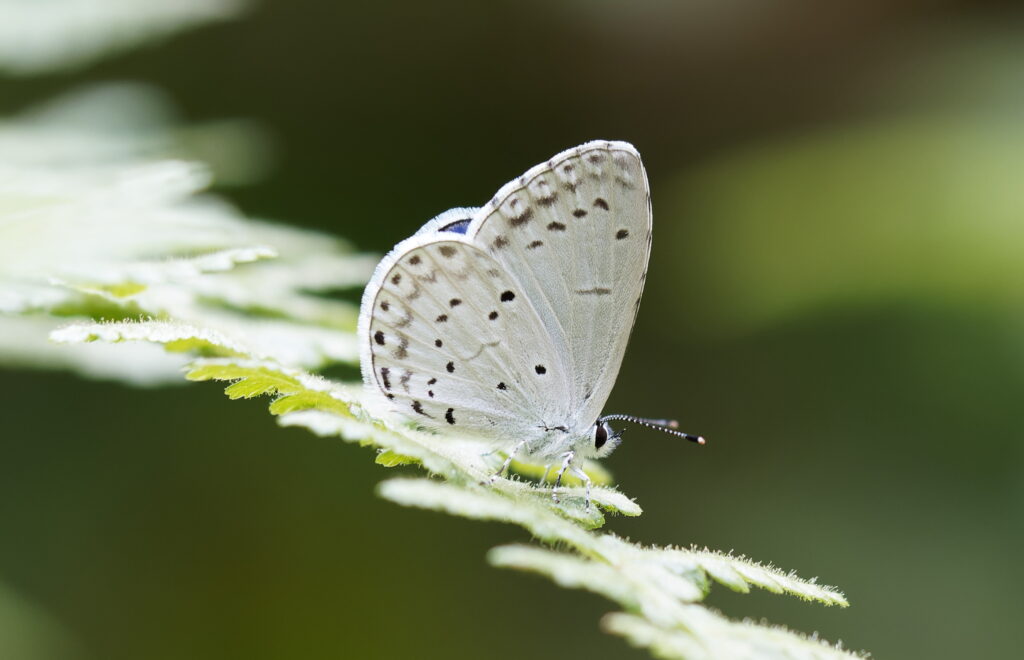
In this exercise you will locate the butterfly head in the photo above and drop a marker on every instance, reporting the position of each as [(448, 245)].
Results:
[(602, 440)]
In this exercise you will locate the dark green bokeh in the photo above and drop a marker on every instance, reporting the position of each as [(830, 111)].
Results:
[(865, 430)]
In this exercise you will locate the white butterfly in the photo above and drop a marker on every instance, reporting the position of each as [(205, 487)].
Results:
[(509, 321)]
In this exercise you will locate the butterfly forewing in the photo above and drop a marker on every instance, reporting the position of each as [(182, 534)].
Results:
[(575, 234), (455, 342)]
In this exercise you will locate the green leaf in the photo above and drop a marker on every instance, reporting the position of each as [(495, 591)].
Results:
[(253, 378), (123, 289), (34, 40), (658, 584), (176, 337), (388, 458), (705, 634), (597, 473)]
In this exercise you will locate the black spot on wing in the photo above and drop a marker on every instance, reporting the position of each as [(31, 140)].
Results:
[(418, 407), (556, 226), (450, 367), (441, 319), (492, 315), (570, 181), (449, 416), (542, 192), (447, 251), (601, 203), (534, 245), (507, 296), (579, 213), (521, 217), (621, 234), (540, 369), (379, 338), (385, 374)]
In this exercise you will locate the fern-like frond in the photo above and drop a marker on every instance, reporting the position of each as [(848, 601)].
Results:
[(133, 272), (25, 342), (658, 588), (38, 37), (656, 585), (109, 237), (176, 337), (330, 409), (707, 634)]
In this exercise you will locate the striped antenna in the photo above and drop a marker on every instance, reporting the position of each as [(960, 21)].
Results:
[(669, 426)]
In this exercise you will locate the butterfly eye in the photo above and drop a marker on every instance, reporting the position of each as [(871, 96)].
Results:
[(600, 435)]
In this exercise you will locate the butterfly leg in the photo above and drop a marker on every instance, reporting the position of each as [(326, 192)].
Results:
[(544, 477), (566, 462), (507, 462), (586, 481)]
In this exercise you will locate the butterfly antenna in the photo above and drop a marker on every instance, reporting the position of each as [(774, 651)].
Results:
[(669, 426)]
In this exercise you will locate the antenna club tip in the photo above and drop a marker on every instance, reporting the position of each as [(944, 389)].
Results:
[(673, 424), (701, 440)]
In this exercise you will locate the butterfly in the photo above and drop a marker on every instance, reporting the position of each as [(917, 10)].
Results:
[(509, 322)]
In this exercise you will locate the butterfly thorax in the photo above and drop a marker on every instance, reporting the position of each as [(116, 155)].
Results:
[(553, 442)]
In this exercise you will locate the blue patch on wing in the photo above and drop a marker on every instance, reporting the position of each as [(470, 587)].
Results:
[(457, 227)]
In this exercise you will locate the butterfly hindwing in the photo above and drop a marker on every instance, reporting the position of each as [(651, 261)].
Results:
[(455, 342)]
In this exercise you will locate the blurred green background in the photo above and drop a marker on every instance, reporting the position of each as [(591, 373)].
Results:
[(834, 300)]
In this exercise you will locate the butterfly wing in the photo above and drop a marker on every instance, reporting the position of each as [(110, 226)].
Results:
[(575, 235), (452, 340)]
